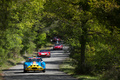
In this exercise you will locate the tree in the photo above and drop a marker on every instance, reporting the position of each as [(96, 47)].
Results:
[(19, 24)]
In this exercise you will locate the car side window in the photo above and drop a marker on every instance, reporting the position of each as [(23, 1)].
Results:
[(41, 60)]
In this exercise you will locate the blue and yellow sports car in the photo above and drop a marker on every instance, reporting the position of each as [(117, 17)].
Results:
[(34, 64)]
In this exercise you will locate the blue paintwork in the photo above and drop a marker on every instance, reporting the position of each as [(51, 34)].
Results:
[(40, 63)]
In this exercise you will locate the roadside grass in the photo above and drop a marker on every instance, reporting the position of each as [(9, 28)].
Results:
[(69, 69), (9, 63), (13, 61)]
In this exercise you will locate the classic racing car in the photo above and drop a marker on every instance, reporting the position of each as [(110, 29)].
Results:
[(34, 64), (58, 46), (44, 53)]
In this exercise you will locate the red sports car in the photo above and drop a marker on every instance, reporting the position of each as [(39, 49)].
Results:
[(58, 46), (44, 53)]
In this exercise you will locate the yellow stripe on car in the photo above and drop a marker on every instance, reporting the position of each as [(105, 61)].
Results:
[(34, 67)]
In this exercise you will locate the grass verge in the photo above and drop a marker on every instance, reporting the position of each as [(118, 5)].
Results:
[(69, 69), (9, 63)]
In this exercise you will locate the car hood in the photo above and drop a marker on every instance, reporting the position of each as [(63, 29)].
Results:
[(32, 63)]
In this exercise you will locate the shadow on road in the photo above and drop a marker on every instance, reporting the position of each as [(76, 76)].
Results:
[(40, 77), (57, 51), (21, 70), (13, 70), (53, 62)]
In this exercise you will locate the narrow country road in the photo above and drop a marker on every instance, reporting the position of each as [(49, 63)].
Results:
[(52, 69)]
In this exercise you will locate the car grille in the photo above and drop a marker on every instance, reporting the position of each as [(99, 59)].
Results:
[(34, 68)]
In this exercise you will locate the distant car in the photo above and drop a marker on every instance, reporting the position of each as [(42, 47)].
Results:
[(44, 53), (58, 46), (56, 39), (34, 64)]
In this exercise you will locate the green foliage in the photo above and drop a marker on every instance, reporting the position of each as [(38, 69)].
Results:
[(40, 40), (112, 74), (19, 27)]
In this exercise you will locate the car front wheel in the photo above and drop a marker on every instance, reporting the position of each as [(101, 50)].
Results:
[(43, 70), (25, 71)]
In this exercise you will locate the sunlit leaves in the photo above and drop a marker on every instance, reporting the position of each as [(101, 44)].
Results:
[(20, 21), (107, 5)]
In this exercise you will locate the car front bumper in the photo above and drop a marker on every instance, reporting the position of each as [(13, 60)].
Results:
[(34, 67)]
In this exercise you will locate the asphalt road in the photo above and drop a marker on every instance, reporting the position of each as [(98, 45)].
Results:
[(52, 69)]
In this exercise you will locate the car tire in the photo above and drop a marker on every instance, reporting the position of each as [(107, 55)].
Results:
[(38, 56), (25, 71), (43, 71), (49, 56)]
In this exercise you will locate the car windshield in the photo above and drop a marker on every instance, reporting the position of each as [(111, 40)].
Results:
[(37, 60), (57, 44), (43, 50)]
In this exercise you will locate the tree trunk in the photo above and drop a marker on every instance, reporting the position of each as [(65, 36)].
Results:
[(83, 46)]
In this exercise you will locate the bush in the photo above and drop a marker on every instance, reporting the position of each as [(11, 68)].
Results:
[(112, 74)]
